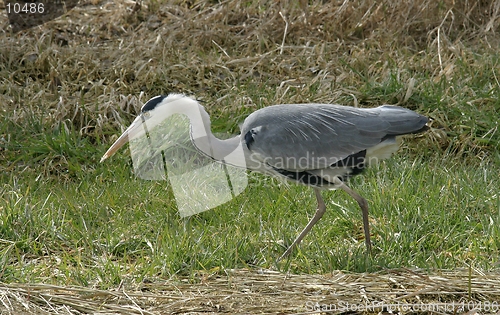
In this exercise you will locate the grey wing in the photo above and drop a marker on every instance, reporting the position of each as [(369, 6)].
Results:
[(314, 136)]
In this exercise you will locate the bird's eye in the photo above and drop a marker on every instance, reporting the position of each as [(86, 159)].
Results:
[(146, 115)]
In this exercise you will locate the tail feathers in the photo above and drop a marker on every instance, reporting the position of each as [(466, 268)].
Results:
[(402, 121), (383, 150)]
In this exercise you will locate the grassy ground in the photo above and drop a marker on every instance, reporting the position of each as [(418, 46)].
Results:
[(69, 86)]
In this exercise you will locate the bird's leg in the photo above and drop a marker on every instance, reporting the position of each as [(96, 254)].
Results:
[(319, 213), (364, 208)]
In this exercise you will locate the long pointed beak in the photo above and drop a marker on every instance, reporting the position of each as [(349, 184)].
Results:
[(128, 134)]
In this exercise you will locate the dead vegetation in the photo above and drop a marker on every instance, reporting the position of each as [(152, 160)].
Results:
[(267, 292), (87, 70)]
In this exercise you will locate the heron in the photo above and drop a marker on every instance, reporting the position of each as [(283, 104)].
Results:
[(317, 145)]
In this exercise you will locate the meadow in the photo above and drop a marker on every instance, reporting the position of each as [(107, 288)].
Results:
[(71, 86)]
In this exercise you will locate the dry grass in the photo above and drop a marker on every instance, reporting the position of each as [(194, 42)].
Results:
[(268, 292), (85, 70)]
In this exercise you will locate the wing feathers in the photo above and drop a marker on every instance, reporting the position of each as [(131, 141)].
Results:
[(310, 136)]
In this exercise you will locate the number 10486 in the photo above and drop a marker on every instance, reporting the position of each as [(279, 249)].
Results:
[(18, 8)]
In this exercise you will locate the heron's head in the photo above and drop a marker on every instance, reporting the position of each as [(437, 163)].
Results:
[(155, 111)]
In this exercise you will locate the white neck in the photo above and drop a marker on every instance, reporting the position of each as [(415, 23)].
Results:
[(229, 151)]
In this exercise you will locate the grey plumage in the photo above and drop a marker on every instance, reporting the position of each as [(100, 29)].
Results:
[(319, 145), (320, 135)]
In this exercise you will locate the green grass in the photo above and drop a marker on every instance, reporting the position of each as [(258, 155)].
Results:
[(67, 219), (100, 225)]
